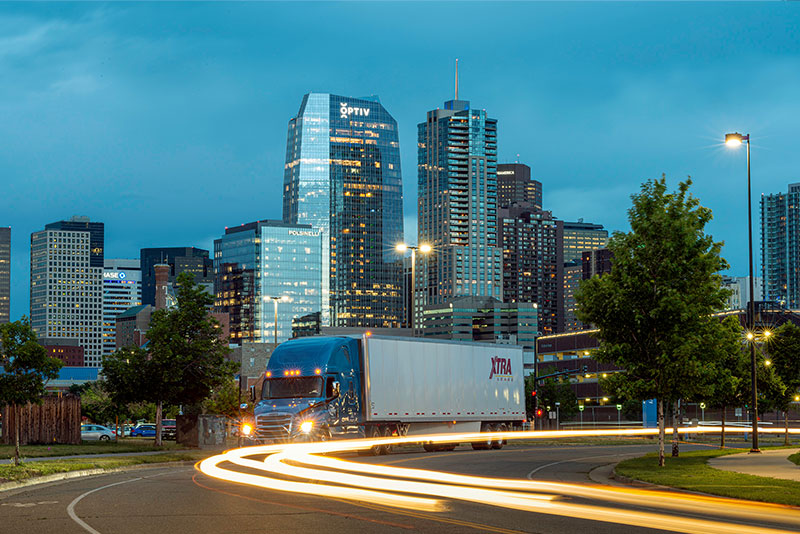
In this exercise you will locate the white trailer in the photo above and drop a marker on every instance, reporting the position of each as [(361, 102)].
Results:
[(422, 386)]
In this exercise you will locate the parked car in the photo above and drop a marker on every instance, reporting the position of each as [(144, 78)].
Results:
[(126, 430), (145, 431), (96, 432), (168, 428)]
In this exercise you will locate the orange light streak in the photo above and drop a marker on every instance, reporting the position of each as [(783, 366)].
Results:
[(413, 488)]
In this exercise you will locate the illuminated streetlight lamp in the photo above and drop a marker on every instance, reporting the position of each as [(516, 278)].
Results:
[(425, 249), (284, 298), (734, 140)]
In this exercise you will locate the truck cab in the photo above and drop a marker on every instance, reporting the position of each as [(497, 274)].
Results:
[(311, 391)]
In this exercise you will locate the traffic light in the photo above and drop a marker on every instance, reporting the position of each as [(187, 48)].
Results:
[(533, 393), (539, 412)]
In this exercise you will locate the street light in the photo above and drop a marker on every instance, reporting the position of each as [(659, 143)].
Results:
[(425, 249), (734, 140), (284, 298)]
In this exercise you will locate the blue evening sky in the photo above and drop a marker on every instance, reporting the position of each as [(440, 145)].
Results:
[(167, 122)]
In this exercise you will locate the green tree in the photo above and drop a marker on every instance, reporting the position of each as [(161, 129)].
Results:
[(97, 403), (26, 369), (729, 382), (784, 351), (186, 355), (225, 399), (653, 310)]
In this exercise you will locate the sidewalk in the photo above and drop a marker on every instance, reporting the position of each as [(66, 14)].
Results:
[(773, 464), (90, 456)]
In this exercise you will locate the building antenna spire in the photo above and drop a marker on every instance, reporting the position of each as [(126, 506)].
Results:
[(456, 78)]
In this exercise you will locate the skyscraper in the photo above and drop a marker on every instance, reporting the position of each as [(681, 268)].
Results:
[(342, 176), (457, 203), (122, 289), (515, 186), (780, 246), (5, 274), (67, 284), (264, 264), (580, 237), (531, 241), (180, 259)]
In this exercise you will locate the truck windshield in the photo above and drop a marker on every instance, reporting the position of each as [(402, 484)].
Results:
[(288, 388)]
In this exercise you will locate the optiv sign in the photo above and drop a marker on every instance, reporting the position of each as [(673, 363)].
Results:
[(500, 367), (345, 111)]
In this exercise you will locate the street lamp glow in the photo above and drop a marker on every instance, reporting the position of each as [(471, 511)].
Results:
[(767, 362), (733, 140), (750, 336), (401, 247), (767, 333), (425, 248)]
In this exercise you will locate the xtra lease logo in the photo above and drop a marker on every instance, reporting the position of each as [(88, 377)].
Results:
[(501, 368)]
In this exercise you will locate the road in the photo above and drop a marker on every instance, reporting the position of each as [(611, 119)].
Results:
[(181, 500)]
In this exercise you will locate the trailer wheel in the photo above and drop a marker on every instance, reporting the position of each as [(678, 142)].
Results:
[(498, 443), (429, 447), (487, 444), (387, 432)]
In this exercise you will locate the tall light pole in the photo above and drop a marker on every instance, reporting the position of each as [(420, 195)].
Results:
[(735, 140), (425, 249), (284, 298)]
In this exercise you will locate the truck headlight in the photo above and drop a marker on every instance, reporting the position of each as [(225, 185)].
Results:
[(306, 426), (247, 429)]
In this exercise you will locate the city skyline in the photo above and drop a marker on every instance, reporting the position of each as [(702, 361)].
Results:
[(139, 124)]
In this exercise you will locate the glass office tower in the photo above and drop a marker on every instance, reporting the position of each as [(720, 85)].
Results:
[(342, 175), (261, 261)]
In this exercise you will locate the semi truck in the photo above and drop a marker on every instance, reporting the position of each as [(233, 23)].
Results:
[(337, 387)]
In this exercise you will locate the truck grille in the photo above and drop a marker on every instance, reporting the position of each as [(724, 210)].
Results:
[(273, 426)]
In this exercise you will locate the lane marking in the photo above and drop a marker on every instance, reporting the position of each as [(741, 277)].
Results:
[(529, 476), (71, 507)]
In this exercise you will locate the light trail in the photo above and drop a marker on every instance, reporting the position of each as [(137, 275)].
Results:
[(426, 490)]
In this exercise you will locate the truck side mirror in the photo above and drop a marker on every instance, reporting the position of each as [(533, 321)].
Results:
[(252, 393)]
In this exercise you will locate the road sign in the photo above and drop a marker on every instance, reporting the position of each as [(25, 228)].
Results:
[(581, 407), (619, 406), (552, 415), (738, 412)]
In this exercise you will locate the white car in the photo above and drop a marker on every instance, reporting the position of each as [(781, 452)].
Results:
[(96, 432)]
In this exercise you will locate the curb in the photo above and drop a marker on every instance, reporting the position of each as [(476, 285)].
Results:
[(58, 477)]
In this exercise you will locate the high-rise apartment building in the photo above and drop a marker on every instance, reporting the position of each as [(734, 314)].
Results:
[(457, 204), (5, 274), (573, 274), (67, 284), (122, 289), (515, 186), (531, 241), (342, 176), (180, 259), (780, 246), (265, 268), (580, 237)]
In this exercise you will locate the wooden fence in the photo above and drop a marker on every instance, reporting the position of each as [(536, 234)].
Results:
[(56, 420)]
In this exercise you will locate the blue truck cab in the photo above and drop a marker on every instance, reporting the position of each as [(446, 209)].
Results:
[(311, 391)]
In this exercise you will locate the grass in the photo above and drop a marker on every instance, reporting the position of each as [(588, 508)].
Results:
[(691, 471), (11, 473), (795, 458), (87, 447)]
